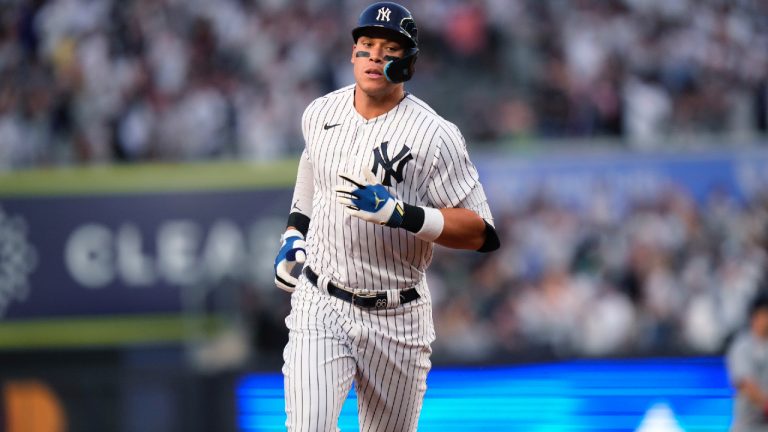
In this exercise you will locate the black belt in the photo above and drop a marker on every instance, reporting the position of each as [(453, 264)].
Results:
[(368, 301)]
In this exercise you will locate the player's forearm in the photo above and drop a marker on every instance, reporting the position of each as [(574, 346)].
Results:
[(462, 229), (456, 228)]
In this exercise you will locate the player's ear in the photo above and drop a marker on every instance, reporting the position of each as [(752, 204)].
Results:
[(354, 49)]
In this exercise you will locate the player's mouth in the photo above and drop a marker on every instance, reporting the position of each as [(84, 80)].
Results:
[(374, 73)]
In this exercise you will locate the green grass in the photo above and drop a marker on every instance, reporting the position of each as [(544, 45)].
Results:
[(147, 178), (104, 331)]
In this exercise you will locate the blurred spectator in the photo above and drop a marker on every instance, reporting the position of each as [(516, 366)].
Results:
[(99, 81), (746, 361)]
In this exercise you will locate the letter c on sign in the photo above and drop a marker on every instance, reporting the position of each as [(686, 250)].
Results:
[(89, 256)]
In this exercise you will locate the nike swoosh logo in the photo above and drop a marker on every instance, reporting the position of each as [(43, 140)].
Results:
[(327, 126)]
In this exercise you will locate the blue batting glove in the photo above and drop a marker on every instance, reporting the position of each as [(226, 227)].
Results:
[(292, 252), (369, 200)]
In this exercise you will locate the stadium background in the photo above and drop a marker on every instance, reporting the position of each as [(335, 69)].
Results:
[(147, 151)]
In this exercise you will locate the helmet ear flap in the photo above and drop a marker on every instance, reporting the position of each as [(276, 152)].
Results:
[(401, 70)]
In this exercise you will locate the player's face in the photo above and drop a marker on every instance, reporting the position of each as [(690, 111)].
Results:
[(369, 56)]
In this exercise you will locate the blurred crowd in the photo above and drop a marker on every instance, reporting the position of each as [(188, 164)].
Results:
[(668, 276), (101, 81)]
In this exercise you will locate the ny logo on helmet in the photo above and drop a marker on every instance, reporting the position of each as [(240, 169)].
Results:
[(383, 14), (380, 157)]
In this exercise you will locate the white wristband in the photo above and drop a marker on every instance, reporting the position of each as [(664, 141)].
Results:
[(433, 224)]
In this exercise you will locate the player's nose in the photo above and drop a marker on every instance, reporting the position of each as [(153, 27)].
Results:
[(377, 55)]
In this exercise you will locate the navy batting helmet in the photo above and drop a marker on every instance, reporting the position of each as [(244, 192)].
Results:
[(397, 19)]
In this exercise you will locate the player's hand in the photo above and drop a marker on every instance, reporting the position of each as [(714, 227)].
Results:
[(292, 252), (369, 200)]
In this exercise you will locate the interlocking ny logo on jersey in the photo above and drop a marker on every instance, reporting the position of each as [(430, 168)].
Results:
[(380, 157), (383, 14)]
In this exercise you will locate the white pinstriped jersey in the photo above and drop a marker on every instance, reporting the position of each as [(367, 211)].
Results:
[(420, 155), (423, 160)]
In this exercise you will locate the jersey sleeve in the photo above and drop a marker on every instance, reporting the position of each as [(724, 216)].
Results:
[(301, 203), (454, 181), (306, 118), (304, 189), (478, 203)]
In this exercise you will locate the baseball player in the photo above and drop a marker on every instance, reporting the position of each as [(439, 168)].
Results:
[(747, 363), (381, 179)]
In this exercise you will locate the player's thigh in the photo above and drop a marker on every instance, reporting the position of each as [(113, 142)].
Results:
[(392, 381), (318, 368), (315, 390)]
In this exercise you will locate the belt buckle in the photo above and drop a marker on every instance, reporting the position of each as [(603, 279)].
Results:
[(356, 294)]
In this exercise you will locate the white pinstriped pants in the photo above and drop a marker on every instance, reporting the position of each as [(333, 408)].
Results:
[(332, 342)]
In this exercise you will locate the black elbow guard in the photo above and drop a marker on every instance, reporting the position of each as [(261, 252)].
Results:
[(299, 221), (491, 242)]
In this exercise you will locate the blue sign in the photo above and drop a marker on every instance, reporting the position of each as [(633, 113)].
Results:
[(132, 253), (686, 395)]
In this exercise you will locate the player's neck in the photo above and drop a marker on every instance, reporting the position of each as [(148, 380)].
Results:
[(370, 106)]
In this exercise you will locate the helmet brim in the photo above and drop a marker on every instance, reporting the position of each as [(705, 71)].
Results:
[(384, 32)]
